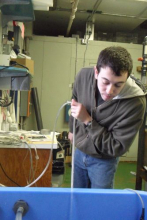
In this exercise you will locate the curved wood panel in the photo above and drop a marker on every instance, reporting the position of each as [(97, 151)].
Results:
[(17, 165)]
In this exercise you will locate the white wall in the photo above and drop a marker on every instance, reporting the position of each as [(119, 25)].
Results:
[(57, 60), (0, 33)]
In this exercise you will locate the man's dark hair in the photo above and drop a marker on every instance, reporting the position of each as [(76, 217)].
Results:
[(117, 58)]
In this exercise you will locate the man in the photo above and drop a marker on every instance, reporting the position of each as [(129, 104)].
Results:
[(109, 109)]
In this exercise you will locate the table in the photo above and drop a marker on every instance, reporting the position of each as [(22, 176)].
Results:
[(21, 165)]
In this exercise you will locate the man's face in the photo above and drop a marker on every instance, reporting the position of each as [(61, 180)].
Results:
[(108, 83)]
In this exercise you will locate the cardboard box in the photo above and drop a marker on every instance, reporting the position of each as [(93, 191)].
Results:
[(68, 159), (139, 68), (25, 62)]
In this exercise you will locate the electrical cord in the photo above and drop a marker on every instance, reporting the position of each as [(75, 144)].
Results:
[(8, 176), (7, 67), (14, 64), (142, 217)]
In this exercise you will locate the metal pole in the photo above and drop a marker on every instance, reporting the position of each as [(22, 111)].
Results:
[(37, 108)]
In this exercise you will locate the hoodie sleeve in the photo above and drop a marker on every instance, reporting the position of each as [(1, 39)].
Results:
[(116, 140), (74, 96)]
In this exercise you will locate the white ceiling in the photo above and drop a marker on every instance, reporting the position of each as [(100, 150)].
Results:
[(107, 15)]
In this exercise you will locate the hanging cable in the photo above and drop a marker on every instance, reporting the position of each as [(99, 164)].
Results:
[(8, 176), (76, 57), (73, 150), (13, 64), (142, 203), (86, 50), (31, 173), (95, 7), (51, 150)]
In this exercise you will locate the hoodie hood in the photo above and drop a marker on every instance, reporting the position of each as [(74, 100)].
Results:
[(131, 89)]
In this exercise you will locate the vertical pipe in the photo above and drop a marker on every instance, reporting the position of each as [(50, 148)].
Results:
[(72, 16), (73, 153), (144, 62), (37, 108)]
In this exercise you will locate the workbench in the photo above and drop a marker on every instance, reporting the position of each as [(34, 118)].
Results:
[(21, 164)]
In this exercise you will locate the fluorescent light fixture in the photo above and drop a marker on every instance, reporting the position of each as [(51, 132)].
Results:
[(141, 0), (41, 7), (132, 0), (40, 2)]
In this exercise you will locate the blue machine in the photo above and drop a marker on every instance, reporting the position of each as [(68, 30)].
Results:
[(72, 204)]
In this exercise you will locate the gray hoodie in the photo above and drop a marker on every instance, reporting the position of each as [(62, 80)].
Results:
[(115, 123)]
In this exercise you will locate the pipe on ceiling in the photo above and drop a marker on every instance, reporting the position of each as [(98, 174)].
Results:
[(95, 7), (72, 16)]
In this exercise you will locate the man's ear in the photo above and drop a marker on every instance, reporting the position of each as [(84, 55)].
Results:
[(95, 72)]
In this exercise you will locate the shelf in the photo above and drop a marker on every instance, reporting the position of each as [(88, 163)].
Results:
[(16, 10)]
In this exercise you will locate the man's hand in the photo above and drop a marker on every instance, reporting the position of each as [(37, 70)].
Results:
[(70, 137), (79, 112)]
